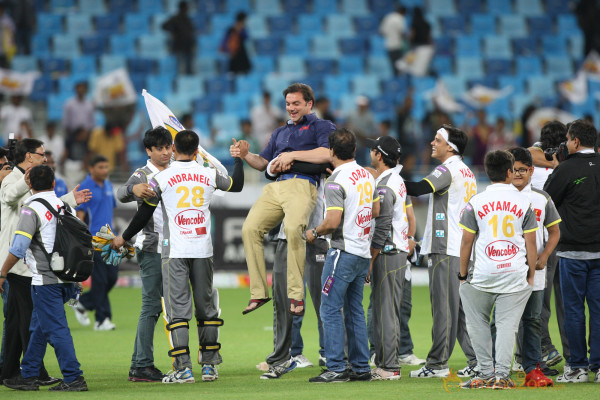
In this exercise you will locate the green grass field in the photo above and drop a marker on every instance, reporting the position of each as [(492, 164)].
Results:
[(247, 340)]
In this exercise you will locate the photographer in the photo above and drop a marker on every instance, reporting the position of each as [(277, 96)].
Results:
[(546, 155), (13, 193), (5, 167), (574, 186)]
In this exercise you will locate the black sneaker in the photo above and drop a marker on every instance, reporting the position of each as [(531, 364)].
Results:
[(47, 381), (20, 383), (359, 376), (331, 376), (147, 374), (78, 385), (550, 371)]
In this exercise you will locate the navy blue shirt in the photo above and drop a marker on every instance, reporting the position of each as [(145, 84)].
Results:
[(309, 134), (99, 209)]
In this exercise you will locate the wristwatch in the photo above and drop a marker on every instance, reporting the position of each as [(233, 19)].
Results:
[(314, 232), (3, 276), (462, 277)]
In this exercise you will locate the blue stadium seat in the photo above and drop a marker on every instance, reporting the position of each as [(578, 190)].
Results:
[(152, 46), (376, 46), (191, 85), (367, 25), (497, 47), (219, 84), (275, 84), (354, 7), (179, 104), (92, 7), (321, 66), (201, 25), (295, 7), (423, 84), (540, 86), (339, 25), (528, 65), (121, 6), (66, 84), (250, 83), (136, 24), (382, 7), (79, 24), (226, 122), (141, 66), (159, 85), (380, 66), (516, 82), (442, 65), (55, 104), (499, 108), (554, 46), (168, 66), (441, 7), (297, 45), (456, 85), (123, 45), (528, 7), (382, 107), (525, 46), (513, 26), (469, 67), (84, 65), (325, 7), (454, 25), (396, 86), (500, 7), (519, 102), (53, 66), (443, 46), (110, 62), (24, 63), (107, 24), (40, 45), (351, 65), (42, 88), (49, 24), (237, 104), (353, 46), (467, 7), (292, 65), (206, 66), (336, 84), (540, 25), (209, 44), (280, 24), (62, 6), (366, 85), (576, 47), (315, 82), (268, 46), (566, 24), (557, 7), (157, 21), (559, 67), (487, 81), (483, 24), (325, 46), (310, 23), (257, 26), (237, 5), (263, 65), (267, 7), (498, 66), (153, 7), (93, 45), (65, 46), (138, 81), (468, 46)]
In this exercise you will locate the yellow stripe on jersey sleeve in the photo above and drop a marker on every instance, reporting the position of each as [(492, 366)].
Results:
[(230, 184), (467, 229), (531, 230), (553, 223), (24, 234), (335, 208), (430, 184), (408, 205), (147, 202)]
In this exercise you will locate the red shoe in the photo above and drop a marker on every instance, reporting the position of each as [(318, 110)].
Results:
[(536, 378)]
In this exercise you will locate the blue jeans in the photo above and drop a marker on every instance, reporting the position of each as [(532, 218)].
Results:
[(345, 293), (104, 277), (580, 282), (531, 324), (49, 325), (4, 302)]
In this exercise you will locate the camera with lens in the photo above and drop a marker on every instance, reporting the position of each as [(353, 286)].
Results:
[(560, 151)]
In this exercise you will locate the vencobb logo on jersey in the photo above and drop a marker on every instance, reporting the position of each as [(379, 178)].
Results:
[(191, 221), (501, 250), (363, 220)]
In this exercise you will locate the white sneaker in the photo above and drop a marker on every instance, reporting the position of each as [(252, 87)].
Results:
[(516, 367), (574, 375), (597, 378), (380, 374), (182, 376), (410, 359), (81, 314), (467, 371), (106, 325), (209, 373), (425, 372), (301, 361)]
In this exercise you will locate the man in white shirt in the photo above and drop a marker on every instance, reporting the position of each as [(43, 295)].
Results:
[(351, 202), (78, 112), (393, 28), (16, 118), (502, 224), (265, 118)]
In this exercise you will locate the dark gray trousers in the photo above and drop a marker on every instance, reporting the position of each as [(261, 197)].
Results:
[(448, 316)]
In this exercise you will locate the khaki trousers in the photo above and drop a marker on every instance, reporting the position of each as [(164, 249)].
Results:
[(291, 201)]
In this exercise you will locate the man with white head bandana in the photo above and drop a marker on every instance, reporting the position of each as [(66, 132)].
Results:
[(450, 185)]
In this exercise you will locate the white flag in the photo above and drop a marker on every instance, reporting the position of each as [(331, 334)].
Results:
[(541, 116), (575, 90), (114, 89), (480, 96), (442, 97), (591, 65), (17, 83), (161, 115)]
